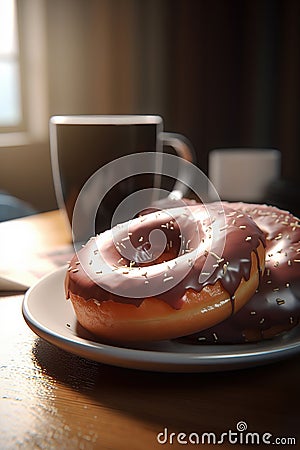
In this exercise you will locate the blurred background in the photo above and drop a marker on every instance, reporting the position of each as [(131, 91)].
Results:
[(225, 73)]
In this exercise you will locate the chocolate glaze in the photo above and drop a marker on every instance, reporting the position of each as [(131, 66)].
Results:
[(191, 235), (276, 305)]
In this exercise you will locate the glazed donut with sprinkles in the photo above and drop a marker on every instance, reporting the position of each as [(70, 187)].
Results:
[(205, 265), (275, 307)]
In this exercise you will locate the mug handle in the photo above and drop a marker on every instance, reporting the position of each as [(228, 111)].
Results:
[(184, 150)]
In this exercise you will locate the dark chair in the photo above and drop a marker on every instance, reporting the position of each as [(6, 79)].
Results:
[(13, 208)]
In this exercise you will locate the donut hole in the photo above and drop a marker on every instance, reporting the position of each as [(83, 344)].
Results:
[(168, 254), (177, 243)]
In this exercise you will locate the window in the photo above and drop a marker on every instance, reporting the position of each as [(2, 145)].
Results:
[(10, 92), (23, 73)]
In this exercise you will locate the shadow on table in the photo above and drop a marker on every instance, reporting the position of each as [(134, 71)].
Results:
[(261, 396)]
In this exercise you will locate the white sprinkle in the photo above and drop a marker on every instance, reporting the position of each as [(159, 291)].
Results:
[(248, 238), (125, 239), (216, 256), (75, 270), (280, 301), (97, 302), (141, 239), (242, 227), (224, 227), (124, 246), (168, 279)]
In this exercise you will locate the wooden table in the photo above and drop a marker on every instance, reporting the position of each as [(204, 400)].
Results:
[(51, 399)]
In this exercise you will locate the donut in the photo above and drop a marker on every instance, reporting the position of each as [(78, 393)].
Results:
[(159, 276), (275, 307)]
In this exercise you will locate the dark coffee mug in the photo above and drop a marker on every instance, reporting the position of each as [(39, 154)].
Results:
[(80, 145)]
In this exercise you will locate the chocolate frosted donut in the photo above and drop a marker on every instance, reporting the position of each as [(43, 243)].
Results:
[(275, 307), (166, 274)]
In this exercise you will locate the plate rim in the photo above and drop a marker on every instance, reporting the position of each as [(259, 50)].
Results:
[(147, 359)]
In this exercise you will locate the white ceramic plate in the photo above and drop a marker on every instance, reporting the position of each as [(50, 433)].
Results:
[(51, 317)]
